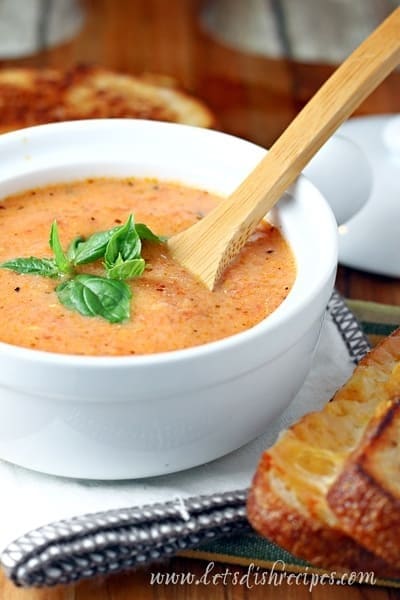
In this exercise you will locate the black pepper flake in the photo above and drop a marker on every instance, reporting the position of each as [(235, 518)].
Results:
[(117, 221), (270, 251), (2, 207), (17, 289), (92, 218)]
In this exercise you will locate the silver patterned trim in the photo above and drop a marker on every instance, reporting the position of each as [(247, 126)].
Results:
[(107, 542), (115, 540), (350, 329)]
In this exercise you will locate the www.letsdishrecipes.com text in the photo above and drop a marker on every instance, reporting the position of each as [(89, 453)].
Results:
[(255, 576)]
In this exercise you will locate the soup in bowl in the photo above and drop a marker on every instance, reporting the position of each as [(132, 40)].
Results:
[(179, 376)]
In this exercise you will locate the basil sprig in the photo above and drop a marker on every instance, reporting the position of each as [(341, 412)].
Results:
[(146, 234), (62, 262), (46, 267), (90, 250), (123, 245), (126, 269), (92, 295)]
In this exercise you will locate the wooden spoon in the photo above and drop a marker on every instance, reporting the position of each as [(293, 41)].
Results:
[(206, 248)]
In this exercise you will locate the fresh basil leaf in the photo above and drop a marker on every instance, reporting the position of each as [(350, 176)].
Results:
[(128, 269), (59, 255), (91, 296), (146, 234), (94, 247), (32, 266), (124, 243), (73, 248)]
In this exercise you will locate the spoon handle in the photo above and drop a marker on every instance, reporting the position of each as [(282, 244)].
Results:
[(207, 247)]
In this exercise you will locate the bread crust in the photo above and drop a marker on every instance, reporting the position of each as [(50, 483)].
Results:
[(288, 500), (360, 497), (303, 537)]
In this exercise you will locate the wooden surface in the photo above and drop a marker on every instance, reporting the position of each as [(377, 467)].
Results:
[(253, 97)]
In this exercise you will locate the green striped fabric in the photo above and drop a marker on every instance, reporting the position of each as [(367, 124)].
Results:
[(377, 320)]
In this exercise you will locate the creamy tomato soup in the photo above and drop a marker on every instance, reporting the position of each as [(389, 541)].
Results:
[(170, 308)]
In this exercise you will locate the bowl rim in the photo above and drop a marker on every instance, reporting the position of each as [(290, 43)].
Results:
[(267, 325)]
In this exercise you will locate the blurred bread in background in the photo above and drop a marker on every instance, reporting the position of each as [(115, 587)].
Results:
[(36, 96)]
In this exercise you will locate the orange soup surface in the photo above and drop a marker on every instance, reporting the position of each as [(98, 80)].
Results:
[(170, 309)]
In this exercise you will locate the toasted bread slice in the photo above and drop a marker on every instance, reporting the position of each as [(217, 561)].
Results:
[(288, 498), (34, 96), (366, 496)]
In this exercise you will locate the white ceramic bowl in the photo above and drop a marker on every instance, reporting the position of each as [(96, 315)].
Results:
[(111, 417)]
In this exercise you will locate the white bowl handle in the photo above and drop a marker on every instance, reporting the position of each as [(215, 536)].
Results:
[(341, 172)]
